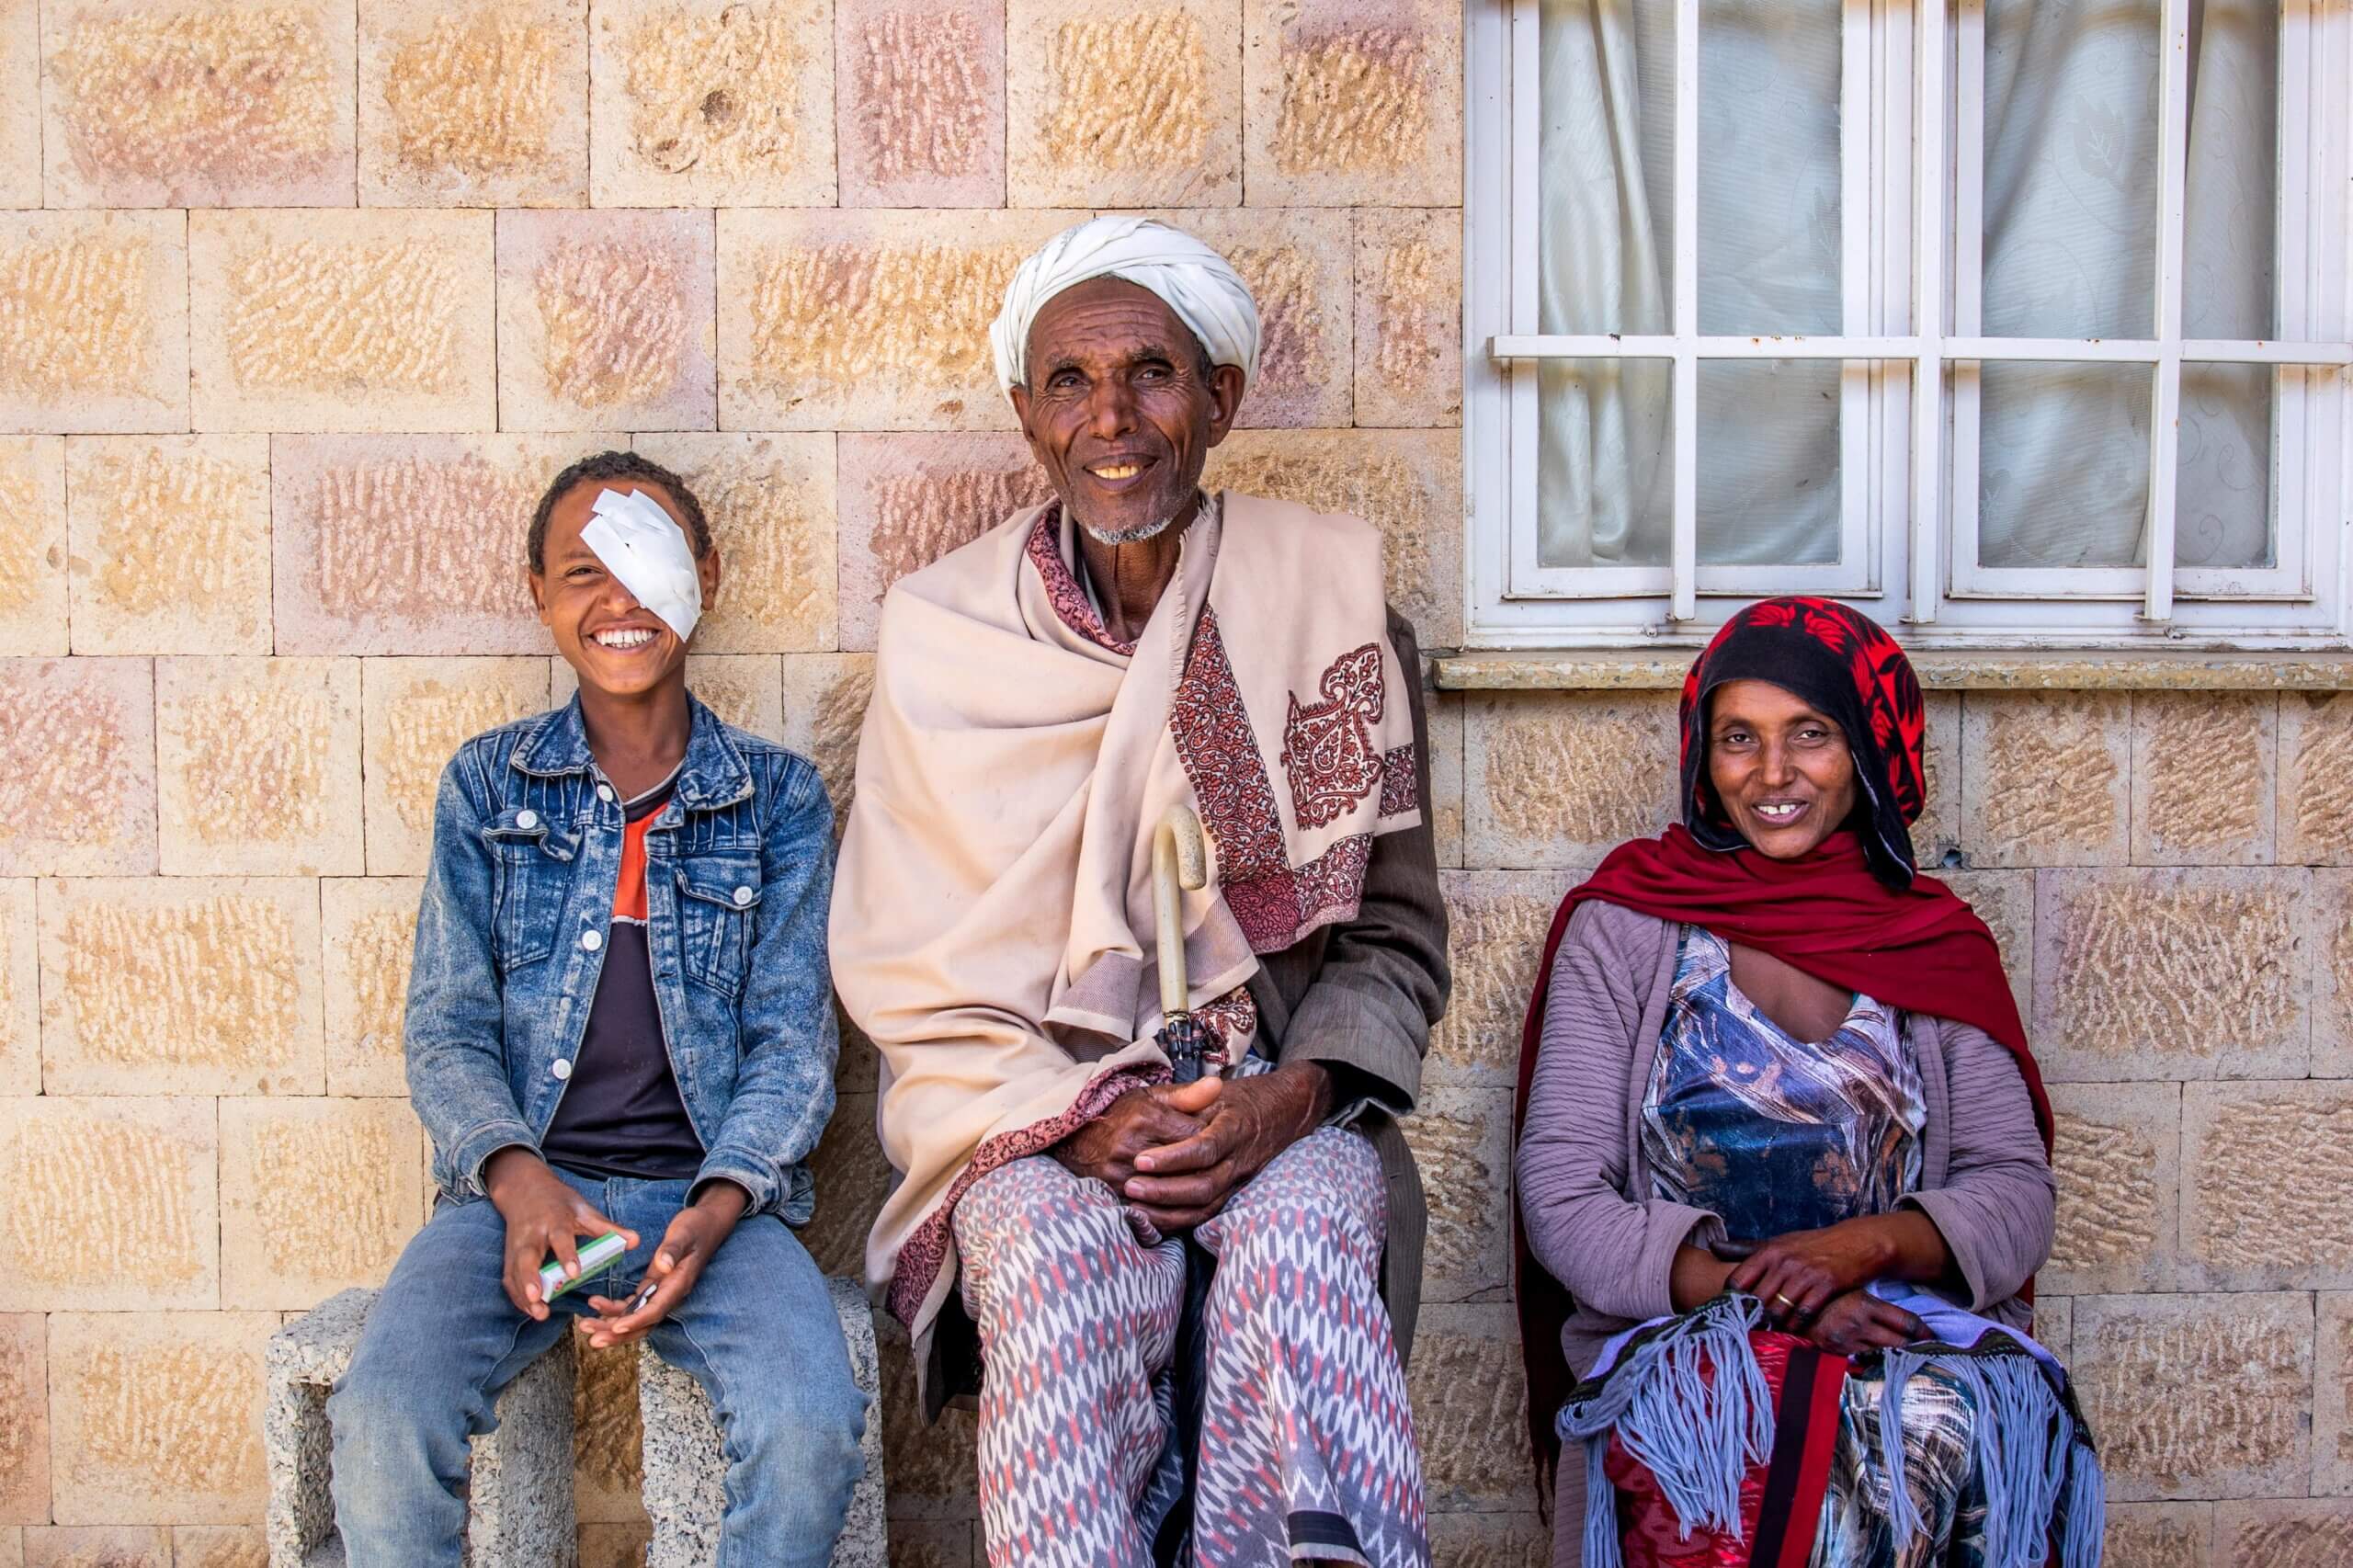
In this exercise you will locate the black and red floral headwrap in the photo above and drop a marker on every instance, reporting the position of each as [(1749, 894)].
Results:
[(1840, 661)]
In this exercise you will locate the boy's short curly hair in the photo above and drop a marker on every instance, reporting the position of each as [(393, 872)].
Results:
[(606, 466)]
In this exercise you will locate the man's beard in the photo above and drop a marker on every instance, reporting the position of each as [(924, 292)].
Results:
[(1145, 530)]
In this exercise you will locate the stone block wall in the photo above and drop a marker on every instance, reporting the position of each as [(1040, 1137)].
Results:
[(302, 301)]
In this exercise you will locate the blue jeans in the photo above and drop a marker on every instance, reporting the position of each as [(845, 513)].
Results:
[(758, 1332)]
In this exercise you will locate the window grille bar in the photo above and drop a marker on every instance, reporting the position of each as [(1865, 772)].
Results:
[(2090, 350), (1927, 307), (1683, 600), (2165, 427)]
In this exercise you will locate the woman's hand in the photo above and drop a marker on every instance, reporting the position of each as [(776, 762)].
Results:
[(544, 1215), (1856, 1323), (687, 1247), (1795, 1276)]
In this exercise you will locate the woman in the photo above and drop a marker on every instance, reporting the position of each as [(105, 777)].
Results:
[(1782, 1141)]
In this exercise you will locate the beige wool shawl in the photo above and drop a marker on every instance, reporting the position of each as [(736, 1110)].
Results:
[(992, 927)]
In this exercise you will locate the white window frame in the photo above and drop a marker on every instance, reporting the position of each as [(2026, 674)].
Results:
[(1905, 558)]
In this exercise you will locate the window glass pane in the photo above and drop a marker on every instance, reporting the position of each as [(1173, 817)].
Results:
[(1605, 232), (1768, 462), (2062, 463), (1769, 237), (1605, 486), (2223, 514)]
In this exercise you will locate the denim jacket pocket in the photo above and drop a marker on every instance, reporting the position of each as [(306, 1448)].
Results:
[(530, 869), (719, 899)]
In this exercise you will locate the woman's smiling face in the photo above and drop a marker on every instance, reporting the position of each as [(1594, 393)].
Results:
[(1782, 771)]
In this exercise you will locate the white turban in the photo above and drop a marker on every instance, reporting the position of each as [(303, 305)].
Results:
[(1193, 280)]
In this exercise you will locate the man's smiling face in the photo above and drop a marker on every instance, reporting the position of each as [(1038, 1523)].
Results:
[(1122, 407)]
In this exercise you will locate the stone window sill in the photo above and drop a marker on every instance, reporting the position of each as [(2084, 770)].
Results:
[(1939, 671)]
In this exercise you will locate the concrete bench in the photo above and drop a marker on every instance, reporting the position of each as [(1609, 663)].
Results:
[(519, 1509)]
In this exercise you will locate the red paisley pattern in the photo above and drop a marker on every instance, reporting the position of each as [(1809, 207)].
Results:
[(1400, 783), (1327, 747)]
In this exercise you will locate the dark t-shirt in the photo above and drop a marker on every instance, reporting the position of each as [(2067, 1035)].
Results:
[(620, 1114)]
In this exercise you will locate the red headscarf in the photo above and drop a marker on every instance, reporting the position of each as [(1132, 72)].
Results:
[(1853, 912)]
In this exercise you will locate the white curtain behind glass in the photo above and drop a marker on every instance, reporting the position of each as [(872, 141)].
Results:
[(2069, 251)]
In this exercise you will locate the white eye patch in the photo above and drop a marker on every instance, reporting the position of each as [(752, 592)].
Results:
[(639, 543)]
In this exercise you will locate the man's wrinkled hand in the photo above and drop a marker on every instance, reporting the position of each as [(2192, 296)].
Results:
[(1106, 1147), (544, 1215), (1178, 1185)]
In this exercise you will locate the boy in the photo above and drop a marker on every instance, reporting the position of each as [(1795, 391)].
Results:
[(618, 1020)]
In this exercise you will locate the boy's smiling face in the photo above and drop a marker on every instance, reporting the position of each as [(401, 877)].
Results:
[(613, 643)]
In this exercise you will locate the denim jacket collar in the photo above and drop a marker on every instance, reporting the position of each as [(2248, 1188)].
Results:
[(713, 775)]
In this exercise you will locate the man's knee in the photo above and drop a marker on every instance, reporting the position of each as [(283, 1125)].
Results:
[(1033, 1215), (1327, 1188)]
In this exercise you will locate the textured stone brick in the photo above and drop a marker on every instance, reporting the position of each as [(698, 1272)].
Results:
[(12, 1546), (465, 103), (1355, 102), (608, 1437), (24, 1418), (2053, 1323), (19, 990), (866, 320), (1445, 713), (2045, 778), (1470, 1403), (824, 705), (2331, 971), (744, 689), (853, 1179), (316, 1196), (2283, 1534), (1936, 836), (162, 987), (1298, 264), (620, 1545), (200, 103), (2332, 1394), (1495, 938), (908, 500), (2204, 767), (32, 545), (712, 103), (2316, 759), (94, 320), (122, 1545), (257, 765), (130, 1181), (415, 714), (2005, 900), (170, 543), (2160, 1535), (1137, 105), (368, 928), (2170, 973), (771, 501), (156, 1416), (2269, 1200), (411, 544), (607, 318), (1461, 1140), (77, 768), (919, 93), (1409, 317), (19, 124), (2196, 1396), (1490, 1541), (932, 1543), (1560, 780), (932, 1470), (220, 1546), (370, 319), (2119, 1162), (1407, 483)]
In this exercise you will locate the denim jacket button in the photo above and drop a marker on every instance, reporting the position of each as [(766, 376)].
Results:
[(743, 895), (527, 821), (605, 792), (591, 940), (560, 1069)]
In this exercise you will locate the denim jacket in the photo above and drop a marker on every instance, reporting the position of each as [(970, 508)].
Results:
[(510, 939)]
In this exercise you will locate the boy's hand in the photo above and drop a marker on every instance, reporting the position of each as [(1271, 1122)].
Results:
[(678, 1261), (544, 1215)]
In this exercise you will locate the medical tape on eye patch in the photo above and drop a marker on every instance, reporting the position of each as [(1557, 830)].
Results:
[(640, 544)]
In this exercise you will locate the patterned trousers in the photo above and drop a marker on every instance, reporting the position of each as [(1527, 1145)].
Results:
[(1307, 1450)]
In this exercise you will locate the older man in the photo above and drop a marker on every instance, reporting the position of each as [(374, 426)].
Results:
[(1043, 696)]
